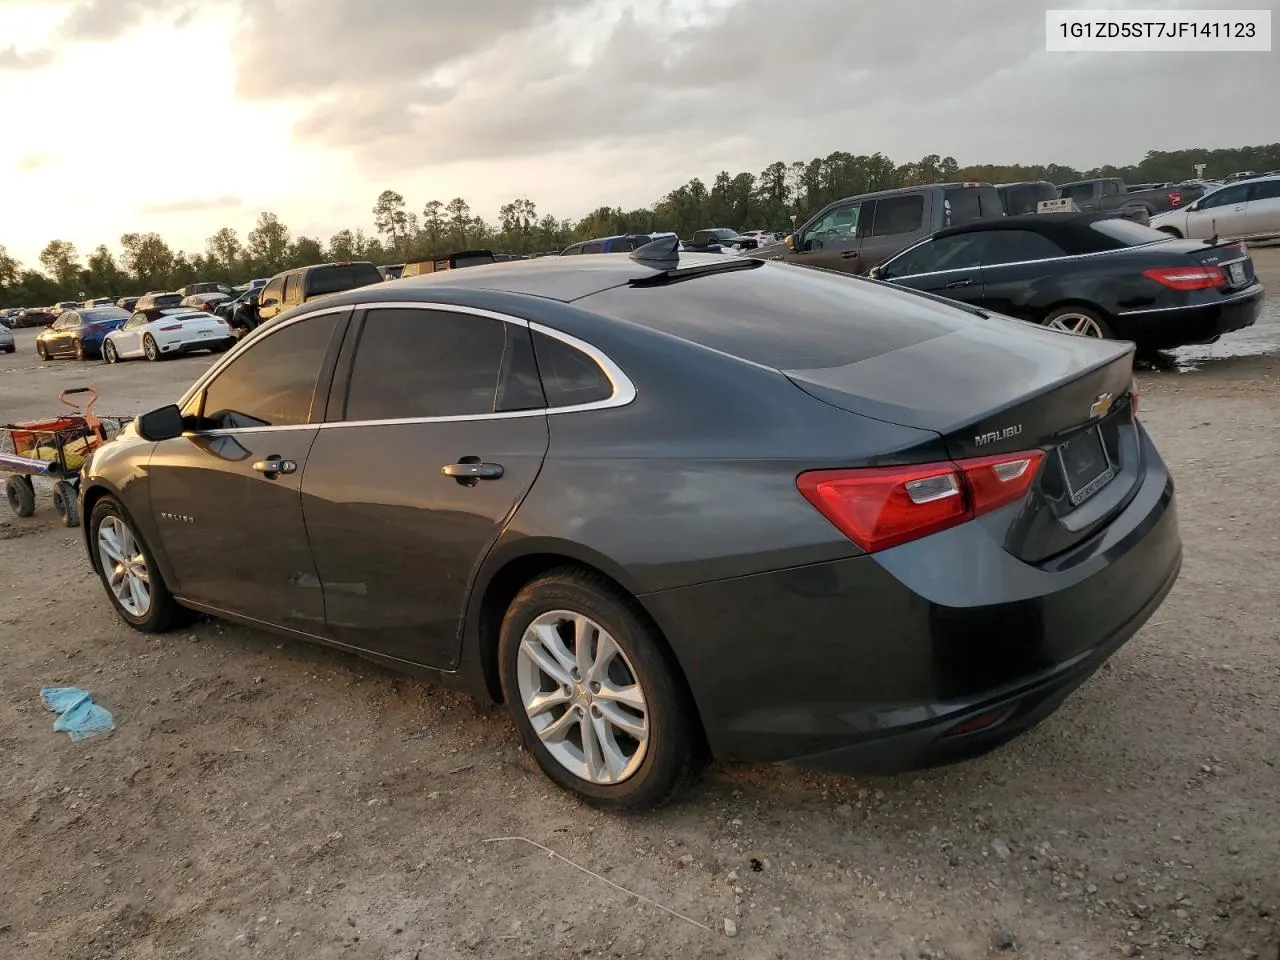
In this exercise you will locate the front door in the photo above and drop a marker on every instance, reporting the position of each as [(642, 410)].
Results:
[(128, 340), (1262, 214), (950, 267), (406, 491), (58, 344), (226, 495), (1216, 212), (832, 240)]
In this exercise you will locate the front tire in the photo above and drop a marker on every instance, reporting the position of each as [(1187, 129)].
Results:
[(65, 500), (150, 349), (128, 571), (41, 352), (1083, 321), (594, 695), (109, 352)]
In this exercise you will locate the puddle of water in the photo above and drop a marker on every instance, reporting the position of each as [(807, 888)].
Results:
[(1262, 338)]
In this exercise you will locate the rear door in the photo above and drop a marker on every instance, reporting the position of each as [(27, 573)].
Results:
[(1262, 213), (834, 238), (436, 430), (892, 223)]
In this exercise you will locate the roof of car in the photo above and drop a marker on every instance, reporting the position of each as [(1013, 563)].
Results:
[(1048, 224)]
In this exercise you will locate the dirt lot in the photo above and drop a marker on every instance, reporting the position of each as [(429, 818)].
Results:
[(266, 798)]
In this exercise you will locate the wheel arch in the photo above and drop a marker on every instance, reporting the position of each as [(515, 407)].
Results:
[(506, 572)]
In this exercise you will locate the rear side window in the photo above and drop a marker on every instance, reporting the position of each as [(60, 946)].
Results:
[(425, 363), (595, 247), (1080, 192), (897, 215), (324, 280), (291, 288), (473, 259), (1126, 233), (168, 300), (1110, 188), (569, 376), (963, 206), (1265, 190), (1027, 198), (1015, 246), (272, 383)]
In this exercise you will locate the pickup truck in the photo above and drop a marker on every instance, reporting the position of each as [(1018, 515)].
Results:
[(1110, 193), (288, 289), (857, 233), (717, 239)]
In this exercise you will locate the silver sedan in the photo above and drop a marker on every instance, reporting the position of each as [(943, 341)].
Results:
[(1246, 210)]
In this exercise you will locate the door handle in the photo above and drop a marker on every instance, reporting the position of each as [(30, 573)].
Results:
[(959, 283), (849, 255), (273, 466), (468, 471)]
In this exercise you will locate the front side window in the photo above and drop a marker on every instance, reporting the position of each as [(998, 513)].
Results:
[(412, 363), (1080, 192), (271, 293), (593, 247), (958, 252), (897, 215), (273, 382), (840, 224)]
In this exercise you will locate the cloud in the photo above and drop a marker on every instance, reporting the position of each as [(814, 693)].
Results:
[(13, 59), (192, 205), (404, 86), (108, 19)]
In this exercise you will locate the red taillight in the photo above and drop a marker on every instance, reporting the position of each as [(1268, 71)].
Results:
[(172, 326), (880, 507), (1175, 198), (1188, 278)]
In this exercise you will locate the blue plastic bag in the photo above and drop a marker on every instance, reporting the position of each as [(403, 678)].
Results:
[(79, 717)]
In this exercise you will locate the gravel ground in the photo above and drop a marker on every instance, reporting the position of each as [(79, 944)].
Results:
[(268, 798)]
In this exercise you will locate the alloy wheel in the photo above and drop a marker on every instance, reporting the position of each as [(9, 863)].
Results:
[(582, 697), (149, 347), (125, 566), (109, 352), (1080, 323)]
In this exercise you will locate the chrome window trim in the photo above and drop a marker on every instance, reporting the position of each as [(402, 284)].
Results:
[(624, 391), (1013, 263)]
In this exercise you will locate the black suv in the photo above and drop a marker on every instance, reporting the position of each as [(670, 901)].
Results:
[(293, 287)]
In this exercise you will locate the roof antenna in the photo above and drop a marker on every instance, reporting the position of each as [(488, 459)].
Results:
[(665, 251), (1213, 241)]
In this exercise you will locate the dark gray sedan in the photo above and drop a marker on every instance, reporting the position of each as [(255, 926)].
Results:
[(665, 507)]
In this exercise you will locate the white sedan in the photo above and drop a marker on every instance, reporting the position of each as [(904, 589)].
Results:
[(156, 334), (1244, 210)]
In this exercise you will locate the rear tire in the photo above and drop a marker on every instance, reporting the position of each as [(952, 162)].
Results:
[(637, 688), (161, 612), (65, 499), (1082, 321), (21, 496)]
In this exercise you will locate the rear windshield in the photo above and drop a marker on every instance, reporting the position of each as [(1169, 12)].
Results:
[(168, 300), (346, 277), (473, 259), (967, 204), (784, 317), (1027, 197), (1126, 233)]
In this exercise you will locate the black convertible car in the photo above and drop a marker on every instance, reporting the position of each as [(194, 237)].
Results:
[(664, 506), (1090, 274)]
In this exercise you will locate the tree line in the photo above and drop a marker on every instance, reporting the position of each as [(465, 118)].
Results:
[(767, 200)]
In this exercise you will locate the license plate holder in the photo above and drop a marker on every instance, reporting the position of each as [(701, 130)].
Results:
[(1086, 465), (1236, 272)]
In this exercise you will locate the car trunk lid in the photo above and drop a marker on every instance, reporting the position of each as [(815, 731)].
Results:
[(1003, 386)]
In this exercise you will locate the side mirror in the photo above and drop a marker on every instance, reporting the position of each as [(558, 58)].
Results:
[(269, 302), (876, 273), (162, 424), (791, 242)]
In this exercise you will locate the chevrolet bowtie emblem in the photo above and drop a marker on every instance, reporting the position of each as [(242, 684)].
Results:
[(1101, 405)]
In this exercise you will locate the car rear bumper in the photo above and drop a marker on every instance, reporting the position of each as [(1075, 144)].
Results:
[(1164, 329), (869, 664)]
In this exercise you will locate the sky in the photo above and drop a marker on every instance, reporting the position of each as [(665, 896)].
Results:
[(182, 117)]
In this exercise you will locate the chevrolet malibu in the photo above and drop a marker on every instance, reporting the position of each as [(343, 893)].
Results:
[(665, 507)]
